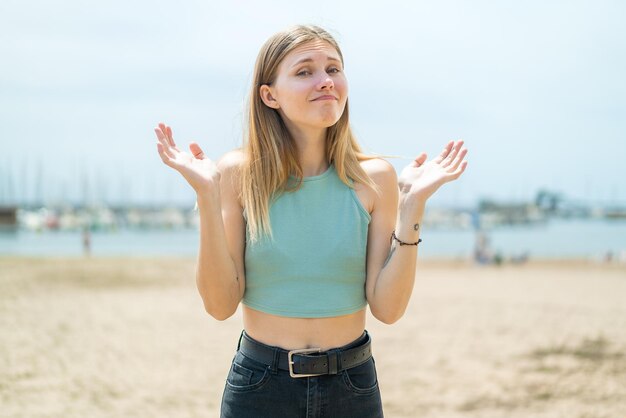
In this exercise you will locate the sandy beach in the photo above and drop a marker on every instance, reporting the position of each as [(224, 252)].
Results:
[(111, 337)]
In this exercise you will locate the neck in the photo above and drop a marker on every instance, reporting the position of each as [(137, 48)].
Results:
[(311, 146)]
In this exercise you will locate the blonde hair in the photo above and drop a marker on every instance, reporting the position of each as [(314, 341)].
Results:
[(270, 152)]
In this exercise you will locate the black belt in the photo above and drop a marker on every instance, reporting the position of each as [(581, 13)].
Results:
[(309, 361)]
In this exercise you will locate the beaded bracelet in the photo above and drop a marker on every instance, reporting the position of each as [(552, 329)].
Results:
[(393, 236)]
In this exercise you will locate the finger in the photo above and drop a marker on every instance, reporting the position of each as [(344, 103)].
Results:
[(164, 129), (161, 136), (163, 141), (455, 175), (453, 153), (444, 153), (457, 161), (170, 137), (196, 151), (164, 157), (419, 160)]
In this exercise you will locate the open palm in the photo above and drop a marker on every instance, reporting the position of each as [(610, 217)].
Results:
[(199, 171), (422, 178)]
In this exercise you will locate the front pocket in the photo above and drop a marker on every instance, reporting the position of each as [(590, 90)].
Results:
[(244, 377), (240, 376), (362, 379)]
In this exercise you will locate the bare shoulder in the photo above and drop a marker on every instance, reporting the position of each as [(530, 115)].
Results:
[(230, 163), (229, 166), (231, 160), (381, 172), (374, 166)]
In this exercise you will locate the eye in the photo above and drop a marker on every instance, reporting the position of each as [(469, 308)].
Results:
[(303, 72), (334, 70)]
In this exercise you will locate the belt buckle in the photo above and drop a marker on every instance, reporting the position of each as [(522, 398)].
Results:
[(301, 351)]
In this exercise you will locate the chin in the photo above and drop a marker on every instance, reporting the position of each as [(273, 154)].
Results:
[(329, 120)]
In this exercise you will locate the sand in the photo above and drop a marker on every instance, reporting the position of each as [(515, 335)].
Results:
[(111, 337)]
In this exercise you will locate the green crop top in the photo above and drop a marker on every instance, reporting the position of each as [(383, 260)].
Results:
[(315, 267)]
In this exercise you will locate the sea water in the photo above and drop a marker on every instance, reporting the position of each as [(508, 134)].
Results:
[(553, 239)]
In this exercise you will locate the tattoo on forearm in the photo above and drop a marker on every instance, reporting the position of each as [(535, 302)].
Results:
[(393, 249)]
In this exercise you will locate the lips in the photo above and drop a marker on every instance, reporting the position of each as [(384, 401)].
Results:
[(327, 97)]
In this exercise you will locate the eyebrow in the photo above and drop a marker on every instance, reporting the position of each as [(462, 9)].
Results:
[(328, 57)]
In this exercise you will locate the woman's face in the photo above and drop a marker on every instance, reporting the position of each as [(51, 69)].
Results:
[(310, 89)]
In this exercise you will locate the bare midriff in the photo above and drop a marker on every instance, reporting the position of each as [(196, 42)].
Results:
[(295, 333)]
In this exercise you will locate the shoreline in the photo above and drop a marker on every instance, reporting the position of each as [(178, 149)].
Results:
[(422, 261)]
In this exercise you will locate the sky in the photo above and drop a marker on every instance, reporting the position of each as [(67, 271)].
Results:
[(536, 90)]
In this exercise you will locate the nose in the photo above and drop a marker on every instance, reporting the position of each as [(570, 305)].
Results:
[(326, 82)]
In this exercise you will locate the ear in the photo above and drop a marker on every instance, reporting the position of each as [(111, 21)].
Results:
[(266, 95)]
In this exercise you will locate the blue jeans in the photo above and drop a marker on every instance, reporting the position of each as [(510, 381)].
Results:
[(257, 390)]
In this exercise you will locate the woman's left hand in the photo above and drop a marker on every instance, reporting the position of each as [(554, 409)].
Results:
[(421, 179)]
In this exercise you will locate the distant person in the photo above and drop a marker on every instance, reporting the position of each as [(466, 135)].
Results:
[(521, 258), (86, 241), (306, 231), (482, 253)]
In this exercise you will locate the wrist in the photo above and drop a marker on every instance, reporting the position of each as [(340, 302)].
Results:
[(410, 213), (410, 207), (209, 190), (208, 197), (401, 242)]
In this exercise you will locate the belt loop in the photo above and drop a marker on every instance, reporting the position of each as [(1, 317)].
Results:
[(333, 361), (275, 361), (239, 341)]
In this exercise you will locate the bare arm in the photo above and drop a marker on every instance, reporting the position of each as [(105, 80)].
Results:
[(220, 275), (220, 271), (390, 266), (390, 291)]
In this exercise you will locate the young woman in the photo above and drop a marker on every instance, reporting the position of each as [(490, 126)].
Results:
[(306, 231)]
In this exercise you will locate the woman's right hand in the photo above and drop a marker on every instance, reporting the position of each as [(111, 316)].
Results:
[(199, 171)]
